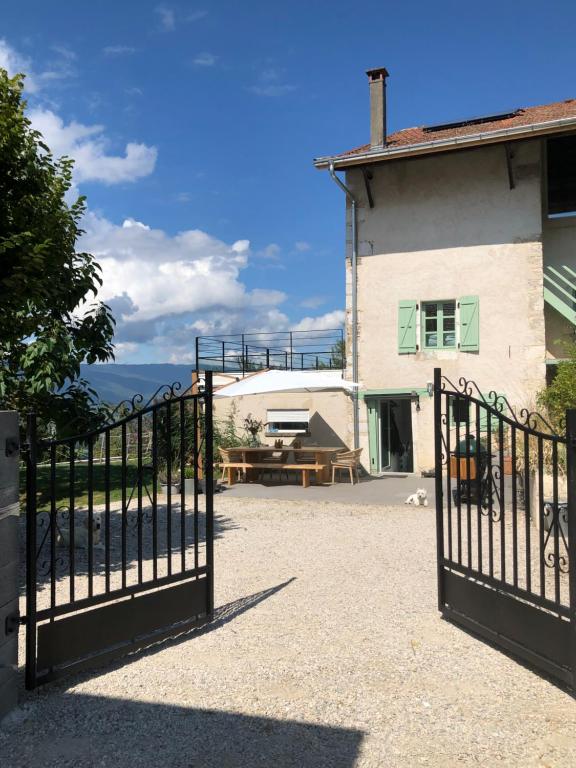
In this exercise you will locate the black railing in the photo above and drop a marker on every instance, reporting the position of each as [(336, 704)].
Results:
[(506, 516), (129, 525), (243, 353)]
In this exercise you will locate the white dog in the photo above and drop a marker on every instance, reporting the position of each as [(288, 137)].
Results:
[(81, 533), (419, 499)]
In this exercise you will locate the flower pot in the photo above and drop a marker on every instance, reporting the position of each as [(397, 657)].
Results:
[(189, 486), (174, 489)]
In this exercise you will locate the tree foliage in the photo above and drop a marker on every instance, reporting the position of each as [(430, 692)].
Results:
[(561, 392), (49, 325)]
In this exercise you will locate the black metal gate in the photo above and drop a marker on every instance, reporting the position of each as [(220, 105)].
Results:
[(119, 543), (506, 523)]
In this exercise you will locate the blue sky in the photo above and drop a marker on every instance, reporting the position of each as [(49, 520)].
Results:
[(194, 126)]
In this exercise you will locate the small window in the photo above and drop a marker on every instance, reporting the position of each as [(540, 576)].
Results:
[(439, 324), (561, 170), (293, 422)]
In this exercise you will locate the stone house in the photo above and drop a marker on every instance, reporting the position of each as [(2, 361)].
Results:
[(460, 253)]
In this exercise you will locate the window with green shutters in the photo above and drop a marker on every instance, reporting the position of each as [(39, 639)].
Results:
[(436, 325)]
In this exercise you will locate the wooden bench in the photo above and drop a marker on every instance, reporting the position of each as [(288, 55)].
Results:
[(304, 468), (232, 465)]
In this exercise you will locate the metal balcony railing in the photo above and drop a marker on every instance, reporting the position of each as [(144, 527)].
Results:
[(242, 353)]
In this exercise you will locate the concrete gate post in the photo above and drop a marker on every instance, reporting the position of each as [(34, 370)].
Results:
[(9, 560)]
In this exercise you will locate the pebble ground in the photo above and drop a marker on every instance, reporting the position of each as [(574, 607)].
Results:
[(327, 651)]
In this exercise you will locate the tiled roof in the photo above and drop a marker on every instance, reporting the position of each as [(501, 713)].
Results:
[(521, 117)]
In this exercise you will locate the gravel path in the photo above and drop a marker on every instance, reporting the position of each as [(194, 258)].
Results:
[(327, 651)]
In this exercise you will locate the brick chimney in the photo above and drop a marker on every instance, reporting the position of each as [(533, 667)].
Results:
[(377, 83)]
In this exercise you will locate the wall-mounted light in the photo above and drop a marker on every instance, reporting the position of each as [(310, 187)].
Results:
[(430, 388), (416, 397)]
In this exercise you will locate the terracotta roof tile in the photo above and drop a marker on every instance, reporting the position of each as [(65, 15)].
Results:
[(521, 117)]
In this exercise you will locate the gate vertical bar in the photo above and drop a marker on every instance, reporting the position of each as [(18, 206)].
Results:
[(31, 458), (438, 483), (209, 468), (571, 473)]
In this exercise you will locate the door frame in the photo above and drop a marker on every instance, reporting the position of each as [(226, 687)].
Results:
[(374, 404)]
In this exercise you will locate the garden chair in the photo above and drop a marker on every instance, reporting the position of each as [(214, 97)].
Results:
[(232, 462), (348, 461)]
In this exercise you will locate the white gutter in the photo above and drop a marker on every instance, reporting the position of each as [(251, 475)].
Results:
[(442, 145), (354, 264)]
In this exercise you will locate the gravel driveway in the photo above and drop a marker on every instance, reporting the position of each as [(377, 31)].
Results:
[(327, 650)]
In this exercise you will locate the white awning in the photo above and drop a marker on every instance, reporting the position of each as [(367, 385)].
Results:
[(286, 381)]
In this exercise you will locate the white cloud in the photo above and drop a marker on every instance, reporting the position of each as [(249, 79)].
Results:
[(88, 145), (196, 16), (167, 18), (14, 62), (164, 290), (270, 84), (205, 59), (162, 276), (334, 319), (313, 302), (118, 50), (271, 251), (301, 246), (65, 52)]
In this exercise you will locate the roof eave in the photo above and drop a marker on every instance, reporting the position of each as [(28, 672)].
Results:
[(444, 145)]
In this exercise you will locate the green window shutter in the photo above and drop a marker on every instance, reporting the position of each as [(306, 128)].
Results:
[(407, 327), (469, 324), (373, 443)]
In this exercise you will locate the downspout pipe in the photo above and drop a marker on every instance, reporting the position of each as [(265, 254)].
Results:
[(354, 265)]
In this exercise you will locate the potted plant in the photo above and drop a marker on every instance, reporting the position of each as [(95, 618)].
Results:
[(253, 427), (189, 480), (174, 485)]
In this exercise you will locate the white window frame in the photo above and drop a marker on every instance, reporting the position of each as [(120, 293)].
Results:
[(286, 416)]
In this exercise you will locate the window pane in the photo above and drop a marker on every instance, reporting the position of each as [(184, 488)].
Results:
[(431, 340), (450, 339), (431, 310), (561, 154), (431, 324), (449, 323), (449, 308)]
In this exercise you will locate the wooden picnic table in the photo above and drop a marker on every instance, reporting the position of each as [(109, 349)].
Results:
[(320, 458)]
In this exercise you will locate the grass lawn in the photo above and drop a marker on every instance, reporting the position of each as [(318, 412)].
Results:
[(81, 484)]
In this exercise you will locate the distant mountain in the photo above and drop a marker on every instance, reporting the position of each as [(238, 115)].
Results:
[(115, 382)]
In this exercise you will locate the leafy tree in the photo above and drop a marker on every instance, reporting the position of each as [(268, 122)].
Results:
[(561, 392), (337, 356), (48, 325)]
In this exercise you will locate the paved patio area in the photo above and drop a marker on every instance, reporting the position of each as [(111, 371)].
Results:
[(388, 490), (327, 651)]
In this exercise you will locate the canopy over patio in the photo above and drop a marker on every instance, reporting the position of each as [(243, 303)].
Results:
[(286, 381)]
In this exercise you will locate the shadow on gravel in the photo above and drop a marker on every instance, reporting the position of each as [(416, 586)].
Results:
[(85, 731), (222, 616)]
